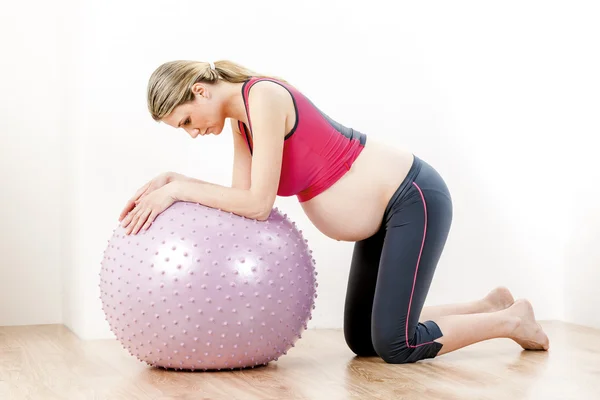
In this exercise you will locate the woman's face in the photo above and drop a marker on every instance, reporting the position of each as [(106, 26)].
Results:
[(201, 116)]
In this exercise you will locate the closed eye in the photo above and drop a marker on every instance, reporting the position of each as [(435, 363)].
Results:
[(186, 122)]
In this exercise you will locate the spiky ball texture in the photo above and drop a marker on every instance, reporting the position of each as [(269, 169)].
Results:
[(204, 289)]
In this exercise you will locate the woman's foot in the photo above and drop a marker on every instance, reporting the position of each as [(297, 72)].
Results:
[(498, 299), (528, 333)]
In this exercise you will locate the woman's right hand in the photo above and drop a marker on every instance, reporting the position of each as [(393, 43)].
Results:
[(156, 183)]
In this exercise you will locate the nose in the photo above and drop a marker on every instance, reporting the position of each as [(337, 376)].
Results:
[(193, 132)]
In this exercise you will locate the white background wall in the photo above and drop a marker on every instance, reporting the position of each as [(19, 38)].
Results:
[(502, 99), (31, 171)]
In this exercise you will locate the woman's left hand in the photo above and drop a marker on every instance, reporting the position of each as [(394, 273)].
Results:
[(148, 208)]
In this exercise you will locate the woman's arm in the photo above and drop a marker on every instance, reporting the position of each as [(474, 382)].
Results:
[(242, 159), (174, 176), (242, 162), (267, 113)]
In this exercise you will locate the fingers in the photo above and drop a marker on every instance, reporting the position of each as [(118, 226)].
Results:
[(133, 218), (141, 210), (141, 190), (150, 220), (127, 220), (128, 207), (142, 217), (132, 202)]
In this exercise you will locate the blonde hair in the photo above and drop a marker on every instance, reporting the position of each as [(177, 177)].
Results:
[(170, 85)]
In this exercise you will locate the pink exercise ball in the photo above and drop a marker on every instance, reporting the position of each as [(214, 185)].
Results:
[(204, 289)]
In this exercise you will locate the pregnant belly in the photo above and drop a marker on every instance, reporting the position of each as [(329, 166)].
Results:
[(352, 209)]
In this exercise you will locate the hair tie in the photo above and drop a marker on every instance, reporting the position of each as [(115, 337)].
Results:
[(212, 65)]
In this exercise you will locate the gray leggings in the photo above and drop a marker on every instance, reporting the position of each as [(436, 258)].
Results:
[(391, 272)]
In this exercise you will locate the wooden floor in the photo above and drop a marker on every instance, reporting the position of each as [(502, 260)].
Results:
[(49, 362)]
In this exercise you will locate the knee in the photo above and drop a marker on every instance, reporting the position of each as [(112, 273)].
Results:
[(393, 351), (399, 351), (394, 348), (359, 344)]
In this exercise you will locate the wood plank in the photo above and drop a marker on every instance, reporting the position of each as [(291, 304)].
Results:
[(49, 362)]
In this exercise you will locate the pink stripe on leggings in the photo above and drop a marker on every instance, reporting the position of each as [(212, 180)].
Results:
[(416, 270)]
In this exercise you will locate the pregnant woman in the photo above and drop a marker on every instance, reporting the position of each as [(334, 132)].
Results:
[(393, 205)]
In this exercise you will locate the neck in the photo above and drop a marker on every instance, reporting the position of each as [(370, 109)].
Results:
[(234, 106)]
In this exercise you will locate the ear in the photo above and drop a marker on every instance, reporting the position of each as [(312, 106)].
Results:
[(200, 89)]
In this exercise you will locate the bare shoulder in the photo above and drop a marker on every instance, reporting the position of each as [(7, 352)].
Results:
[(271, 94), (274, 103)]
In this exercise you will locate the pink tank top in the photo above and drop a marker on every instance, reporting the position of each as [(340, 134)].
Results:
[(317, 151)]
